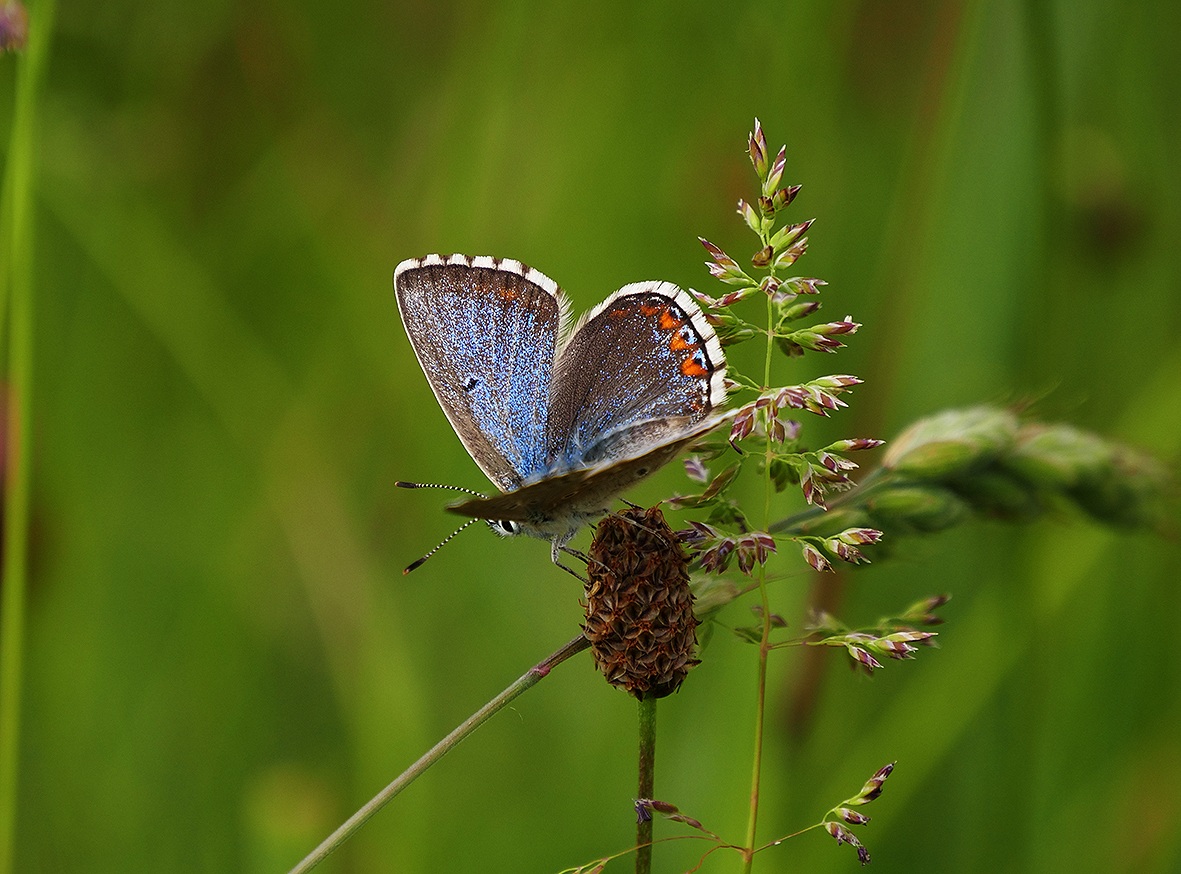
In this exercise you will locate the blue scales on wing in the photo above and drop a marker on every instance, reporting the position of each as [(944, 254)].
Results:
[(485, 335)]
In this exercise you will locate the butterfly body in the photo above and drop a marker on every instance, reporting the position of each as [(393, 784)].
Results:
[(561, 421)]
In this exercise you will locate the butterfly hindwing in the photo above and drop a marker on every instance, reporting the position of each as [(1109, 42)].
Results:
[(646, 354), (568, 500)]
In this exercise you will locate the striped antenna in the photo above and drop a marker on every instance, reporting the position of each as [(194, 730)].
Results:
[(405, 485), (415, 564)]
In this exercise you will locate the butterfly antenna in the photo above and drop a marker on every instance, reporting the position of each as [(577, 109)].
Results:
[(419, 562), (405, 485)]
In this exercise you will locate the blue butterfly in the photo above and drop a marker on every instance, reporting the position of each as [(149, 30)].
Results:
[(562, 421)]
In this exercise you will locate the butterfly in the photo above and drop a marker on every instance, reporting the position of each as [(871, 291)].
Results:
[(561, 421)]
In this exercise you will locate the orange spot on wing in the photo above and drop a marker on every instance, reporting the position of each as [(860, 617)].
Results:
[(668, 321), (678, 344), (689, 367)]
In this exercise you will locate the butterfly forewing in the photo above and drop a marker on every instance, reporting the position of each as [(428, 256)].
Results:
[(484, 332)]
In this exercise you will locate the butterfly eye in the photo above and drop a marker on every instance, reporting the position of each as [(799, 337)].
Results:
[(504, 527)]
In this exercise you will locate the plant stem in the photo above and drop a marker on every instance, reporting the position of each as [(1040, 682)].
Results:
[(16, 299), (748, 853), (526, 681), (760, 714), (647, 782)]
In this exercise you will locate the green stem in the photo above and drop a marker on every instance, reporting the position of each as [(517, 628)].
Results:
[(16, 288), (526, 681), (647, 782), (760, 718), (748, 852)]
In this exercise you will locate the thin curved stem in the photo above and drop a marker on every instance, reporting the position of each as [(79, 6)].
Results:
[(526, 681)]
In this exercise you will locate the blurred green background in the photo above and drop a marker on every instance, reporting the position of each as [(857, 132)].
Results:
[(224, 659)]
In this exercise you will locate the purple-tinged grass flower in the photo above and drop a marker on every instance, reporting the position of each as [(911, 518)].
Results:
[(815, 557), (757, 146), (784, 196), (754, 548), (724, 267), (695, 469), (790, 235), (851, 816), (798, 311), (923, 612), (855, 444), (753, 220), (845, 551), (863, 658), (645, 807), (873, 786), (771, 183), (844, 836)]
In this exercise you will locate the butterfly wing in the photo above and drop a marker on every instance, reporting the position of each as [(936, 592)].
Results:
[(556, 505), (643, 367), (484, 331)]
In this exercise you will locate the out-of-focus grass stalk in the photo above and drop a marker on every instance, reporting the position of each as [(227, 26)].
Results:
[(16, 328)]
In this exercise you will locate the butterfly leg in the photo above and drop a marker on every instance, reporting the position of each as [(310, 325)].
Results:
[(582, 556), (573, 573), (556, 550)]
